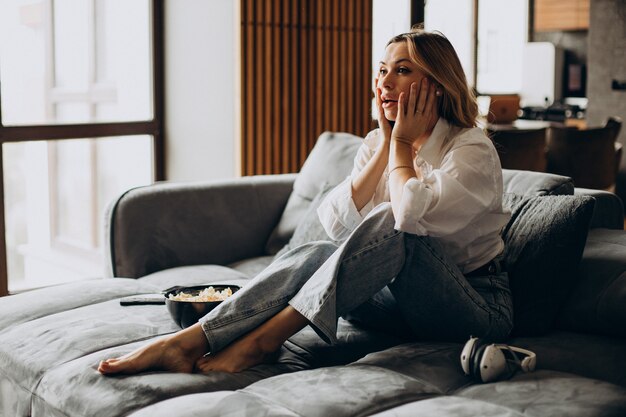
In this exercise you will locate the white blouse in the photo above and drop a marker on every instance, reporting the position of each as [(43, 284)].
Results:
[(458, 199)]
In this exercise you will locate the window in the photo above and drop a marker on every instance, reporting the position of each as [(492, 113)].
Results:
[(457, 26), (502, 36), (489, 37), (81, 121)]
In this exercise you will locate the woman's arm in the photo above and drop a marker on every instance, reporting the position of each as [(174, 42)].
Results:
[(415, 116), (365, 182)]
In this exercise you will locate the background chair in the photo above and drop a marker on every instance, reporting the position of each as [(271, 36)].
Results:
[(521, 149), (591, 157)]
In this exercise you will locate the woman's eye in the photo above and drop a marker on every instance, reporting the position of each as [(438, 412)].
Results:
[(382, 71), (403, 70)]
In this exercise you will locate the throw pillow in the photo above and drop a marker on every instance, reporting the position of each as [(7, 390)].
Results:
[(330, 161), (309, 228), (544, 241)]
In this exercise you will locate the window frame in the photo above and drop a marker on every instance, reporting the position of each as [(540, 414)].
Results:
[(153, 127)]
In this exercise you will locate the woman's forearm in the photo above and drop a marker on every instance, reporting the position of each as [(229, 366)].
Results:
[(365, 183), (401, 169)]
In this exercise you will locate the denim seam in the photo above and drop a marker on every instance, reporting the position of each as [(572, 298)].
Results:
[(381, 306), (371, 245), (435, 254)]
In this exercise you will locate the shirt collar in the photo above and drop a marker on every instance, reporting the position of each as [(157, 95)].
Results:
[(431, 149)]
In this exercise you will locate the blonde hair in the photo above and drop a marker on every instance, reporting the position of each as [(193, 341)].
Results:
[(433, 53)]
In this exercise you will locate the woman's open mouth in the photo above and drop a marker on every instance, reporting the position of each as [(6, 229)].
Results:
[(389, 103)]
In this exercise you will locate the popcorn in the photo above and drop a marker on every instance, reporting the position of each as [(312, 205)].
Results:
[(206, 295)]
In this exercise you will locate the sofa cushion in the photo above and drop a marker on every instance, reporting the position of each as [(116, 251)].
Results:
[(552, 394), (309, 227), (592, 356), (536, 183), (67, 384), (330, 162), (31, 349), (598, 302), (411, 380), (31, 305), (544, 241)]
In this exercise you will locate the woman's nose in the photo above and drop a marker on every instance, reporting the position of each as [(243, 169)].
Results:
[(386, 81)]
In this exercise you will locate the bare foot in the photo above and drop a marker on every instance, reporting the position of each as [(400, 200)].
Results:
[(262, 345), (176, 353), (240, 355)]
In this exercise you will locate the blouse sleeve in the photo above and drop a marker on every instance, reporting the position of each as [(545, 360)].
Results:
[(338, 213), (449, 198)]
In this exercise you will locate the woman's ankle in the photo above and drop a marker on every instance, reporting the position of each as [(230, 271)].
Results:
[(192, 341)]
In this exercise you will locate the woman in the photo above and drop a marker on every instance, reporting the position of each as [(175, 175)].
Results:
[(420, 218)]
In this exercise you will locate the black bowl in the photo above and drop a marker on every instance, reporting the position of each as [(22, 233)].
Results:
[(187, 313)]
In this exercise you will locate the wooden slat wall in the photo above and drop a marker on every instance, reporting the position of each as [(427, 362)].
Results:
[(306, 68)]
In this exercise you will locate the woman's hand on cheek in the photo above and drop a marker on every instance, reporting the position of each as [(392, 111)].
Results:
[(383, 123), (414, 113)]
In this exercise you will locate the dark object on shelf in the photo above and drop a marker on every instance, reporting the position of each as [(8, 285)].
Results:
[(618, 85), (557, 112)]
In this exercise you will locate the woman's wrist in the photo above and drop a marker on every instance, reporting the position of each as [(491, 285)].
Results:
[(400, 154), (402, 147), (400, 140)]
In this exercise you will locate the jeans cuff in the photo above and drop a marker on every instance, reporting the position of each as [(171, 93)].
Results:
[(327, 333), (214, 346)]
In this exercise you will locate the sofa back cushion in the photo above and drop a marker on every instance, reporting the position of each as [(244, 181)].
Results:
[(544, 241), (536, 183), (329, 162), (309, 228)]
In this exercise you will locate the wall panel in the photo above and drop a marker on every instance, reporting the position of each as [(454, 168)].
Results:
[(305, 69)]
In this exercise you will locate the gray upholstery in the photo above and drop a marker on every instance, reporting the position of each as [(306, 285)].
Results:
[(543, 243), (535, 183), (186, 234), (608, 212), (169, 225), (329, 162), (597, 304)]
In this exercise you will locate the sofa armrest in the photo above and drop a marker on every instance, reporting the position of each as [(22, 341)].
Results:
[(608, 212), (166, 225)]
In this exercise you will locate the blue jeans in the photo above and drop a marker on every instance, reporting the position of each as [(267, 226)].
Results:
[(380, 277)]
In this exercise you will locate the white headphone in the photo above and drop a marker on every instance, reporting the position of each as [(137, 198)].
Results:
[(487, 362)]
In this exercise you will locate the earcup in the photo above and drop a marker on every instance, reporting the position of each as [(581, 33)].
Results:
[(466, 355), (492, 363), (476, 360)]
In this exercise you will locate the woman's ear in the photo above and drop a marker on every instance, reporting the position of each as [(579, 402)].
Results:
[(438, 90)]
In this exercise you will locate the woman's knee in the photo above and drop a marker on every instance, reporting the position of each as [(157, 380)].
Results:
[(381, 217)]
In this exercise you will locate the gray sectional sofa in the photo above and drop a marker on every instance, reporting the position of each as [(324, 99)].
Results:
[(569, 287)]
